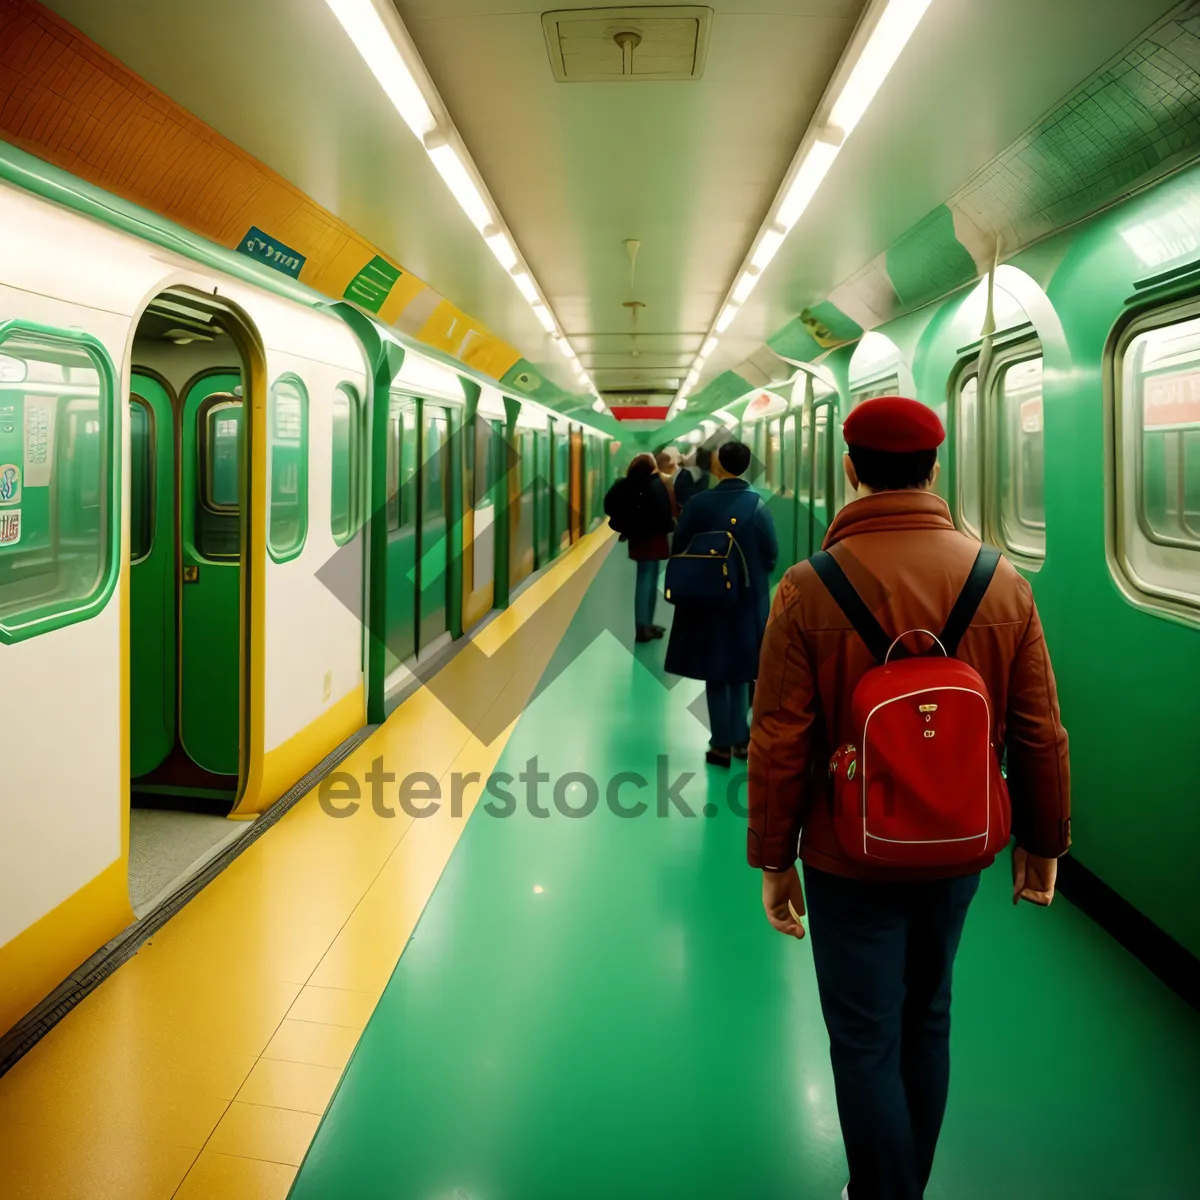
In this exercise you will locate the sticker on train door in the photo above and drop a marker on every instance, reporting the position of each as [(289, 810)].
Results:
[(10, 483), (10, 527), (39, 439)]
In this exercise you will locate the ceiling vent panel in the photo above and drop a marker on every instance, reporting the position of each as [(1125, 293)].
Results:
[(627, 45)]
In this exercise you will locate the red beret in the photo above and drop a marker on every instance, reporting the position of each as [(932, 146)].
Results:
[(894, 424)]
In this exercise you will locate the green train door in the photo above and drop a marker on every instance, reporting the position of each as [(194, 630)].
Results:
[(822, 502), (403, 480), (560, 500), (434, 573), (522, 510), (210, 557), (542, 517), (789, 543), (152, 557), (485, 447), (781, 501)]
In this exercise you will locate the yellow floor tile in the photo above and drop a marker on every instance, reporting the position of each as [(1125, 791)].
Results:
[(278, 1135), (310, 1042), (54, 1168), (334, 1006), (223, 1177), (259, 989), (299, 1086)]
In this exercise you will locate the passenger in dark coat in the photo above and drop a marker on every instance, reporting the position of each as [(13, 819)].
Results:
[(719, 646), (640, 509), (693, 478)]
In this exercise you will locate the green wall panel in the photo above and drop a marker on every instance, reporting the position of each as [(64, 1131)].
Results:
[(929, 260)]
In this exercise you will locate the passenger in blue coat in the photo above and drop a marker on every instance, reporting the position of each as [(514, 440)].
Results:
[(717, 645)]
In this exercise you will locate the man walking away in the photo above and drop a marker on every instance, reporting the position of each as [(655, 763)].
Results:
[(887, 914), (720, 645), (693, 477)]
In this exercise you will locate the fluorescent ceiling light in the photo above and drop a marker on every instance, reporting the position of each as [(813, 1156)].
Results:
[(745, 285), (374, 41), (500, 244), (381, 39), (709, 346), (885, 45), (525, 286), (599, 406), (546, 317), (808, 178), (461, 185), (768, 247), (726, 318), (681, 403), (565, 347)]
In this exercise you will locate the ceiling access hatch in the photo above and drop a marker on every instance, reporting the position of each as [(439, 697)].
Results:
[(627, 45)]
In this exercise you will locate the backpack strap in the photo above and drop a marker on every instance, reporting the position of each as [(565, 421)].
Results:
[(851, 603), (970, 598)]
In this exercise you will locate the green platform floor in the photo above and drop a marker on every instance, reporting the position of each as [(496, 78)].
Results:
[(636, 1030)]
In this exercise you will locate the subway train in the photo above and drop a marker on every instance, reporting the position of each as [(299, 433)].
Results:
[(1069, 383), (211, 483)]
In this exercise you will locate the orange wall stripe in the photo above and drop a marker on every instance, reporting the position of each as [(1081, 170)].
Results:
[(66, 100)]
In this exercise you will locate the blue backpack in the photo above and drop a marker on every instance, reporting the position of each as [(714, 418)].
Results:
[(712, 571)]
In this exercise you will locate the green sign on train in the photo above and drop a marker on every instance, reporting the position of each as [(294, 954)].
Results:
[(272, 251)]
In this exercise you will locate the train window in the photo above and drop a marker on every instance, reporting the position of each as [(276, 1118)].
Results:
[(787, 455), (219, 447), (820, 481), (400, 461), (805, 474), (970, 466), (434, 473), (484, 472), (287, 468), (141, 481), (1020, 458), (345, 510), (56, 476), (1158, 439), (216, 522), (562, 464)]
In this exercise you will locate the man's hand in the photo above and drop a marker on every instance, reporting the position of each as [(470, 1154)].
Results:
[(783, 898), (1033, 877)]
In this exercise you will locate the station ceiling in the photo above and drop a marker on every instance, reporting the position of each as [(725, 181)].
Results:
[(687, 168)]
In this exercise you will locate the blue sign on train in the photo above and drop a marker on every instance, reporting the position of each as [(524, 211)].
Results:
[(272, 251)]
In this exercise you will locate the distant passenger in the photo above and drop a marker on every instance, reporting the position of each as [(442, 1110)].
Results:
[(721, 645), (889, 880), (639, 508), (693, 475), (669, 462)]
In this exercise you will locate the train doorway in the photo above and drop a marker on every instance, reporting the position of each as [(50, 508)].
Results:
[(189, 501)]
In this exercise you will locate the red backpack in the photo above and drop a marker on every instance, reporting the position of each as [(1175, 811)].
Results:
[(922, 786)]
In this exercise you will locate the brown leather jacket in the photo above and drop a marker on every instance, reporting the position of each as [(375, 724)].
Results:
[(905, 558)]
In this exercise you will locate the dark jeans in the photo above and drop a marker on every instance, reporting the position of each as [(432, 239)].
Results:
[(884, 954), (728, 704), (645, 593)]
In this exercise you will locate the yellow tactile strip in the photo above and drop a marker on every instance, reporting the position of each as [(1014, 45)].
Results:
[(200, 1069)]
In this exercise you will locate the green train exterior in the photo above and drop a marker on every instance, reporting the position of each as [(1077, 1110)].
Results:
[(1079, 455)]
